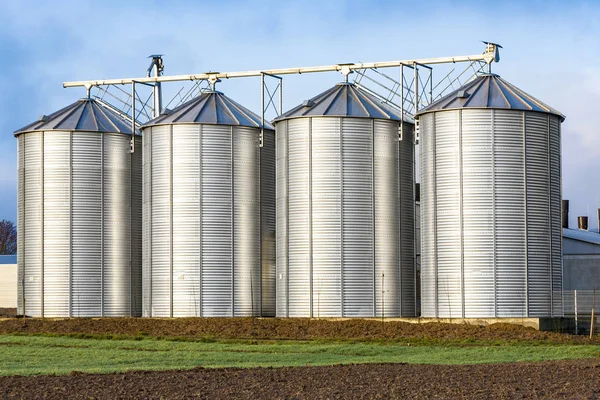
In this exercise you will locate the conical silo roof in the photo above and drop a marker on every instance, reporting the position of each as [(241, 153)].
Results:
[(343, 100), (213, 108), (490, 91), (86, 115)]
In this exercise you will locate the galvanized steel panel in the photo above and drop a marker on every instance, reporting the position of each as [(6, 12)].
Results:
[(357, 218), (31, 253), (429, 292), (246, 222), (282, 237), (57, 224), (75, 205), (299, 218), (407, 237), (86, 204), (204, 221), (267, 220), (338, 191), (491, 214), (509, 214)]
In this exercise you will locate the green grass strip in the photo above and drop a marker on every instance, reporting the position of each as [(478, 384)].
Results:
[(32, 355)]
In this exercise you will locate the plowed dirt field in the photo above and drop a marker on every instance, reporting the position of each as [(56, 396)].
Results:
[(546, 380)]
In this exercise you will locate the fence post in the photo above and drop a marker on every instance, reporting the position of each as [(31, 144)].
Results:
[(576, 325)]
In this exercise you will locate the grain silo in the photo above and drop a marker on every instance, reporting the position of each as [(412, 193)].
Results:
[(79, 214), (345, 208), (490, 204), (209, 211)]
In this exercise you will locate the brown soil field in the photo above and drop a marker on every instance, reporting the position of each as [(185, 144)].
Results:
[(545, 380), (290, 329)]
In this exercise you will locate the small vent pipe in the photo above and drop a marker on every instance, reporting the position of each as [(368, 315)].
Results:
[(582, 223)]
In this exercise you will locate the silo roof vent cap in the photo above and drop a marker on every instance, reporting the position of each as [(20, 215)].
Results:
[(462, 94), (308, 103), (43, 118)]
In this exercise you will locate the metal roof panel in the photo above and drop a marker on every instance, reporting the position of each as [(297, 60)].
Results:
[(213, 108), (343, 100), (86, 115), (490, 91)]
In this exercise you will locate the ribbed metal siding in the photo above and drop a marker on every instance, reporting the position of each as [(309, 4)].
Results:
[(75, 236), (31, 208), (429, 293), (338, 213), (282, 207), (509, 214), (539, 240), (267, 218), (448, 221), (357, 217), (86, 224), (57, 224), (407, 236), (203, 230), (478, 210), (246, 221), (490, 248), (555, 210)]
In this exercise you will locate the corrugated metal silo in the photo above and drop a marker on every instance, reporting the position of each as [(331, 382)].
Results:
[(490, 204), (209, 212), (345, 208), (79, 214)]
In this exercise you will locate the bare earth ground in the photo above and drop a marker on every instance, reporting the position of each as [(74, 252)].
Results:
[(290, 329), (554, 379)]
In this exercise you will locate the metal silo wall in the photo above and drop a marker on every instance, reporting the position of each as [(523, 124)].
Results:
[(357, 218), (267, 218), (31, 209), (509, 214), (555, 211), (429, 292), (338, 213), (202, 233), (448, 215), (477, 213), (246, 221), (407, 222), (386, 219), (121, 215), (57, 224), (217, 222), (491, 214), (20, 223), (70, 226), (299, 255), (147, 225), (281, 210), (325, 202), (136, 228), (86, 215), (186, 220)]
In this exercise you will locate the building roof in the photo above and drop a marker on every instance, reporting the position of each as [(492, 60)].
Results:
[(213, 108), (88, 115), (343, 100), (582, 236), (490, 91), (11, 259)]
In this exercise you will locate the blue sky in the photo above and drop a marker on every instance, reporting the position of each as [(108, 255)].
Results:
[(551, 50)]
